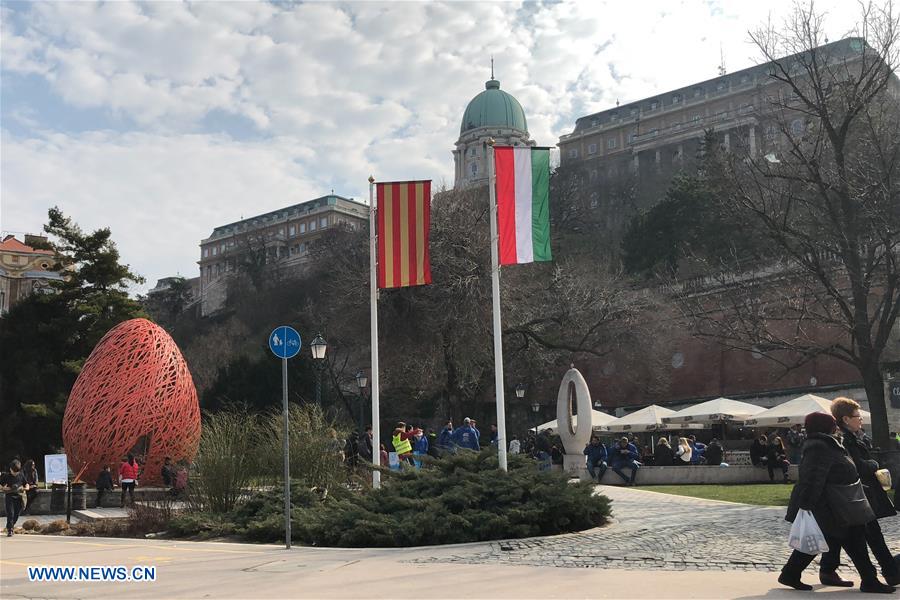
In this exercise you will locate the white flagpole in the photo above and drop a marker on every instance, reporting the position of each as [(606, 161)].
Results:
[(373, 307), (498, 331)]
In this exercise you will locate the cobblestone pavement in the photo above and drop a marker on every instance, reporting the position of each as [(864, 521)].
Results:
[(659, 531)]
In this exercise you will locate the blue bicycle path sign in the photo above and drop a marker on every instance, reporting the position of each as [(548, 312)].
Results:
[(284, 342)]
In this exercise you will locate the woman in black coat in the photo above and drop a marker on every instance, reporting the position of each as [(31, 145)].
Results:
[(663, 456), (846, 413), (825, 462)]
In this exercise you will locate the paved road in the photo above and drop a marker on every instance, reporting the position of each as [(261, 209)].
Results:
[(677, 544), (664, 532)]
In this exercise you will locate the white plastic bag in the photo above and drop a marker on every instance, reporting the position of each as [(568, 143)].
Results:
[(806, 536)]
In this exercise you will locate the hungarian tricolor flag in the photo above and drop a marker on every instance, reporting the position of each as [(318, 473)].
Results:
[(523, 204), (404, 218)]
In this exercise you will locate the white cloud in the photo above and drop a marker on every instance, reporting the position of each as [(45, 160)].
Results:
[(328, 93), (160, 194)]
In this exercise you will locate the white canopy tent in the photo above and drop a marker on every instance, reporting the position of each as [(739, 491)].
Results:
[(793, 412), (598, 421), (720, 410), (646, 419)]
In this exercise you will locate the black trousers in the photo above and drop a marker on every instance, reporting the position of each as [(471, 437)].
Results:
[(778, 464), (13, 508), (854, 544), (127, 487), (875, 540)]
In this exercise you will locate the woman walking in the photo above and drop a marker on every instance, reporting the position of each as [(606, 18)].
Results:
[(128, 477), (825, 470), (14, 488), (31, 478), (846, 413), (684, 452)]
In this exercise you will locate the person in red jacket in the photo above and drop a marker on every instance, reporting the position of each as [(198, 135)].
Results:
[(128, 476)]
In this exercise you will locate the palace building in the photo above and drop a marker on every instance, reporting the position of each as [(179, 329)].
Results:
[(279, 239)]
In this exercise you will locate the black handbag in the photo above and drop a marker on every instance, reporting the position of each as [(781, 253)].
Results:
[(849, 504)]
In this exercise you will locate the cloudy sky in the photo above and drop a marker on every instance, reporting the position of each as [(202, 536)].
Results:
[(163, 120)]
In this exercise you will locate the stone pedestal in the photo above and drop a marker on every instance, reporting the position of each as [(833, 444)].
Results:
[(574, 465)]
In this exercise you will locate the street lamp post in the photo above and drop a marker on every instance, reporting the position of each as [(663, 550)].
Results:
[(361, 381), (319, 346), (520, 393), (536, 408)]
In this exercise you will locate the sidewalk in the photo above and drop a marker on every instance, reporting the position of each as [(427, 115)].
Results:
[(225, 570)]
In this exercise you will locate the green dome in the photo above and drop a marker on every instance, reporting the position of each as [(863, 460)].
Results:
[(493, 108)]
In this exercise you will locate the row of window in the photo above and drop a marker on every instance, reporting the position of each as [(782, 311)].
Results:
[(215, 271), (293, 230), (612, 142), (675, 99)]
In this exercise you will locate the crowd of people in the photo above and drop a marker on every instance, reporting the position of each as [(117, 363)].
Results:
[(410, 443)]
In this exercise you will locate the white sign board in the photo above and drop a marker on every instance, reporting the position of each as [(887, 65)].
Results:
[(56, 469)]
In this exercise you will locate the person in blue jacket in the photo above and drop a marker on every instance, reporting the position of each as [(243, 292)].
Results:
[(698, 454), (420, 447), (444, 443), (624, 455), (465, 436), (596, 458)]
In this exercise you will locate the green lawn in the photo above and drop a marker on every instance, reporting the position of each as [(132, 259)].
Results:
[(764, 494)]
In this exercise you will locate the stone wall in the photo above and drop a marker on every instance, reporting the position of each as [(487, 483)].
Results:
[(692, 475), (41, 503)]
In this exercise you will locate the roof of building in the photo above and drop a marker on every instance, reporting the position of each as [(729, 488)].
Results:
[(282, 213), (745, 77), (11, 244), (493, 108)]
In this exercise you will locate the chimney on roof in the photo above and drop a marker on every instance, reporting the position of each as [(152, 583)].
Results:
[(36, 241)]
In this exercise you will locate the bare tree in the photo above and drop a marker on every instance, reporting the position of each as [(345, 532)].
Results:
[(437, 338), (823, 193)]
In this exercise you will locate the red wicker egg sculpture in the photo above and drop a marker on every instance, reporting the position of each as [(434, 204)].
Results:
[(134, 394)]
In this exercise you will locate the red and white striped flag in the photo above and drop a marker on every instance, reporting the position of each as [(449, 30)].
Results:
[(404, 219)]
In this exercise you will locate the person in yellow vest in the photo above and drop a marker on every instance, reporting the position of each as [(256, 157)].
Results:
[(402, 445)]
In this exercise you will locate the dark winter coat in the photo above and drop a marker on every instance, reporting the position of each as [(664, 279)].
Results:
[(168, 475), (714, 454), (663, 456), (104, 481), (775, 454), (364, 446), (858, 447), (825, 461), (758, 451)]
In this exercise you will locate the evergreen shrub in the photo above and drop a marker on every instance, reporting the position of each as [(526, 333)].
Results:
[(461, 498)]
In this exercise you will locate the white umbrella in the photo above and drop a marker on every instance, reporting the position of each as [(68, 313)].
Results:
[(793, 412), (598, 420), (646, 419), (719, 410)]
